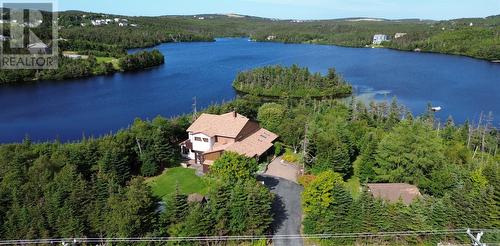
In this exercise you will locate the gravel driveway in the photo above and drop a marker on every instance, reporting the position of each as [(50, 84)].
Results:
[(287, 209), (282, 169)]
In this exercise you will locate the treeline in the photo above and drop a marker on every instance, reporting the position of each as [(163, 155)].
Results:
[(478, 42), (91, 188), (141, 60), (69, 68), (84, 47), (294, 81), (331, 208)]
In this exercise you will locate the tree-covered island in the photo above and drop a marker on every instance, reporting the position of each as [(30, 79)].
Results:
[(294, 82)]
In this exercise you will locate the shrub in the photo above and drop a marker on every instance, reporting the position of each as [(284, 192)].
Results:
[(291, 157)]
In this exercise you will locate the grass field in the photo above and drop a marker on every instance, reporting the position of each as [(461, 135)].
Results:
[(164, 184), (114, 61)]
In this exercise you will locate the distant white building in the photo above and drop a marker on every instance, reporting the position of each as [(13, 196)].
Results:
[(116, 19), (38, 48), (4, 38), (400, 35), (133, 25), (122, 24), (271, 37), (96, 22), (379, 38), (73, 56)]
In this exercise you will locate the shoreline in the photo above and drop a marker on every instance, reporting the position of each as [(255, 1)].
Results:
[(136, 49)]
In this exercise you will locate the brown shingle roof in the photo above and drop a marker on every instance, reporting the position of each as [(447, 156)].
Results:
[(195, 197), (219, 125), (255, 144), (392, 192)]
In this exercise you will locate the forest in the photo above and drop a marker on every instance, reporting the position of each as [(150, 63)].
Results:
[(481, 40), (294, 81), (456, 167), (69, 68), (95, 187)]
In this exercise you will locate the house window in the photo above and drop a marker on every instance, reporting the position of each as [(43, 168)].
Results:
[(185, 151), (197, 139), (205, 140)]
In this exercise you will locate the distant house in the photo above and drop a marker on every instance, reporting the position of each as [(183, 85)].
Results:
[(38, 48), (96, 22), (400, 35), (4, 38), (393, 192), (73, 56), (271, 37), (379, 38), (122, 24), (210, 135)]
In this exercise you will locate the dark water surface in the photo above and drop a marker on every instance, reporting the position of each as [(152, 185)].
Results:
[(67, 110)]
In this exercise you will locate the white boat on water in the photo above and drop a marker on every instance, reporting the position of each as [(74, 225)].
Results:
[(435, 109)]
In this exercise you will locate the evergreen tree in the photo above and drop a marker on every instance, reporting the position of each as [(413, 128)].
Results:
[(177, 206)]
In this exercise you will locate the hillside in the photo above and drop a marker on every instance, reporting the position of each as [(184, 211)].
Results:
[(475, 37)]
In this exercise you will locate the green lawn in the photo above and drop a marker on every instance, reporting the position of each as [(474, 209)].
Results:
[(114, 61), (164, 184)]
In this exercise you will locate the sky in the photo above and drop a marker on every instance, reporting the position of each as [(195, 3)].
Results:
[(294, 9)]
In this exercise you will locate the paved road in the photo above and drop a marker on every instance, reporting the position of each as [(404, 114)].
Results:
[(287, 209)]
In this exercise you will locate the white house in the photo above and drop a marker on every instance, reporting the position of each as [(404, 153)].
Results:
[(210, 135), (400, 35), (38, 48), (379, 38)]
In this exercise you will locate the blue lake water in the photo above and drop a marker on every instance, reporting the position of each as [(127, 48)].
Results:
[(67, 110)]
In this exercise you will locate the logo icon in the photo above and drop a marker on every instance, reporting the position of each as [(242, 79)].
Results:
[(28, 35)]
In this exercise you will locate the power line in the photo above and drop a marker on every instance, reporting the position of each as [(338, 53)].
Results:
[(243, 238)]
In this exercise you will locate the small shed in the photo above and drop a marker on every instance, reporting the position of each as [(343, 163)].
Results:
[(196, 197), (392, 192)]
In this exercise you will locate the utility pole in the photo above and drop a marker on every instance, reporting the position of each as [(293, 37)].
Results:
[(476, 240), (138, 145), (195, 111), (304, 150)]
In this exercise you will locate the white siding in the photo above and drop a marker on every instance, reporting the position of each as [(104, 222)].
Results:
[(201, 145)]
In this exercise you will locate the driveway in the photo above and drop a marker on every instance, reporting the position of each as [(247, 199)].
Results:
[(286, 207), (282, 169)]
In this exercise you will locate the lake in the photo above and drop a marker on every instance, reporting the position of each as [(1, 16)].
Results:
[(68, 110)]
